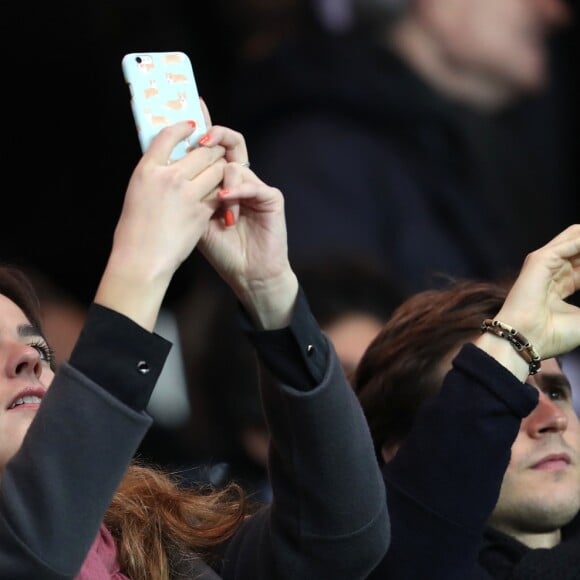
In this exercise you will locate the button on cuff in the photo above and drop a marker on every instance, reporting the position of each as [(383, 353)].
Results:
[(143, 367)]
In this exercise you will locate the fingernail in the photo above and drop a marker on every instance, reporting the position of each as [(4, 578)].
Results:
[(229, 218), (192, 124), (223, 192), (203, 140)]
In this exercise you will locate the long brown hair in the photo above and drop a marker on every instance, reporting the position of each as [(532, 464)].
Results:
[(160, 525), (403, 365)]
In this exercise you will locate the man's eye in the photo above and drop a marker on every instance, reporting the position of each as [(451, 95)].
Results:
[(557, 394)]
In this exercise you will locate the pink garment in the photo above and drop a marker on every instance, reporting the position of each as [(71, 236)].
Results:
[(101, 562)]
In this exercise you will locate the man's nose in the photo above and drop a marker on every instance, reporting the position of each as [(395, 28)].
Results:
[(547, 417)]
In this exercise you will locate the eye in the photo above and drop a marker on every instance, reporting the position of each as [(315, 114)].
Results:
[(558, 393), (46, 353)]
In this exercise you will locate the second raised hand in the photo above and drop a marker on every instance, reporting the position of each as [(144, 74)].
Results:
[(252, 257)]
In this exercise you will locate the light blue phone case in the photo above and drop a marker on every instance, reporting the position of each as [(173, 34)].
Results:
[(163, 91)]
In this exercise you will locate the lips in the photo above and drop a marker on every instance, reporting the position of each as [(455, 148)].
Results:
[(27, 397), (553, 462)]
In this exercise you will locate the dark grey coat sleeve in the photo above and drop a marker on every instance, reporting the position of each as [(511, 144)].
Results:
[(328, 518)]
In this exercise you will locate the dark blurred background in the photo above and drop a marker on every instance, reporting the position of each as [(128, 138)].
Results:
[(68, 143)]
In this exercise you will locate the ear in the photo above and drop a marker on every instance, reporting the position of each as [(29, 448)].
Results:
[(389, 451)]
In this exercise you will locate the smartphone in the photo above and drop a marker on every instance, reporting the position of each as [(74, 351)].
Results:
[(163, 91)]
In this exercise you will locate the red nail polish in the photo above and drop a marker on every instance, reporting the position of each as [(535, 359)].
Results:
[(203, 140), (229, 218), (223, 192), (192, 124)]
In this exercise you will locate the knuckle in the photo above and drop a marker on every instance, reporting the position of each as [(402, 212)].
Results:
[(238, 136)]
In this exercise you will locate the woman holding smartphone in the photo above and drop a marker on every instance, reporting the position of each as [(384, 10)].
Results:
[(70, 508)]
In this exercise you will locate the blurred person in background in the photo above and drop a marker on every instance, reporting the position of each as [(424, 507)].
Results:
[(426, 135)]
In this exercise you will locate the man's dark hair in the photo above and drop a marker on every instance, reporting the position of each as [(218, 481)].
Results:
[(402, 366)]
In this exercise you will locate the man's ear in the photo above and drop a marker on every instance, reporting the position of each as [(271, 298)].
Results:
[(389, 451)]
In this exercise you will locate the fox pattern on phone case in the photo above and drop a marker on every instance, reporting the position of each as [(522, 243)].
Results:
[(175, 78), (179, 103), (159, 120), (163, 91), (151, 90)]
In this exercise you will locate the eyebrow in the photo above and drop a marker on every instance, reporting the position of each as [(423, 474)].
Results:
[(25, 330)]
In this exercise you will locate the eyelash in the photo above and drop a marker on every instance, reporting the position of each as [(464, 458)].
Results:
[(44, 350)]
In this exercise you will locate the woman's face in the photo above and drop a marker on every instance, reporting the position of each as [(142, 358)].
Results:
[(25, 375)]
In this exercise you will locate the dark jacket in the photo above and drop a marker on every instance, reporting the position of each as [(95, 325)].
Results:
[(374, 162), (504, 558), (328, 518)]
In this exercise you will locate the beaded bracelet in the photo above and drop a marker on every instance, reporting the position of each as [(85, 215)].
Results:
[(517, 340)]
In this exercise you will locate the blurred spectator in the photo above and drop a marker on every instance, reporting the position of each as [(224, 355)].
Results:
[(427, 135), (351, 299)]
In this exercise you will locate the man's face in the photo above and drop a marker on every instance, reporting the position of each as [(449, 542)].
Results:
[(541, 488), (501, 42)]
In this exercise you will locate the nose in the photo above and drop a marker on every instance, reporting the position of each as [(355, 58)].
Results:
[(23, 359), (547, 417)]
